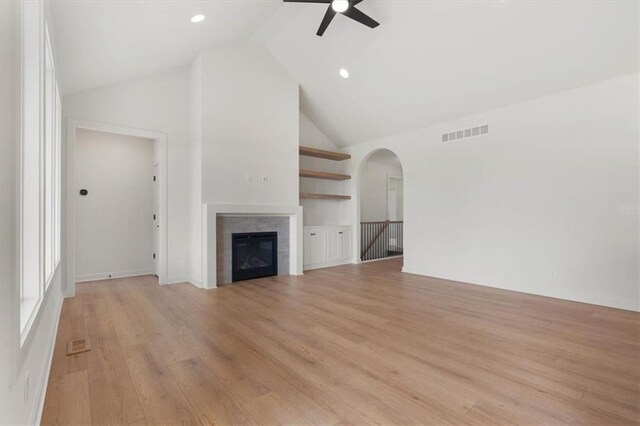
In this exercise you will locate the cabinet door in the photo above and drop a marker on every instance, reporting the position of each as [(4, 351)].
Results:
[(338, 243), (320, 245), (333, 244), (344, 238), (308, 246), (315, 246)]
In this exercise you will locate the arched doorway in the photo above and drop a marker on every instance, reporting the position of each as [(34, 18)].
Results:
[(381, 206)]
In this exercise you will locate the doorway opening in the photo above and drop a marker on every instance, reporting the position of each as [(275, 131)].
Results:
[(115, 206), (381, 199), (116, 198)]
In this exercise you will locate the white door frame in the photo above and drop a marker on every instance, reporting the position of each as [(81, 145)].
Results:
[(160, 147), (389, 178), (156, 217)]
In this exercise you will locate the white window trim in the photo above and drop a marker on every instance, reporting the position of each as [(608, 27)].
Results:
[(30, 306), (49, 243), (31, 303)]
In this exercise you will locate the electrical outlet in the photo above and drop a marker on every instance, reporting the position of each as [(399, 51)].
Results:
[(26, 388)]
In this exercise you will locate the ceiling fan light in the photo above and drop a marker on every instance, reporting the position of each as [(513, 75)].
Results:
[(340, 5), (343, 73)]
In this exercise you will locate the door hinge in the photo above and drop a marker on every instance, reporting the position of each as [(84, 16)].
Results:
[(154, 255), (154, 178), (154, 217)]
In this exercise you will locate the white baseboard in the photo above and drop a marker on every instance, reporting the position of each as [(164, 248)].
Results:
[(327, 264), (179, 280), (171, 280), (111, 275), (598, 300), (196, 282)]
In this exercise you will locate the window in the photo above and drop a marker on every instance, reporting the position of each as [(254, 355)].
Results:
[(31, 290), (40, 165), (57, 199), (50, 166)]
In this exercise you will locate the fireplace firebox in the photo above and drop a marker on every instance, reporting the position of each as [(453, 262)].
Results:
[(254, 255)]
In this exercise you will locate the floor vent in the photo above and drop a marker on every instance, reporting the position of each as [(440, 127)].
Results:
[(466, 133), (78, 346)]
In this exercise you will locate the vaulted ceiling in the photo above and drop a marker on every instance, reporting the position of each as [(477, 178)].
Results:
[(103, 42), (431, 61), (428, 61)]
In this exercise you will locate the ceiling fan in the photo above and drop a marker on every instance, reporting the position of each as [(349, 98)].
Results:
[(345, 7)]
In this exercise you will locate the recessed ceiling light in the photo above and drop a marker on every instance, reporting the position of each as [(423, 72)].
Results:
[(344, 73), (340, 5), (197, 18)]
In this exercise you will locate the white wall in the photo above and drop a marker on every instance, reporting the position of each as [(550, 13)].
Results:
[(373, 190), (547, 203), (321, 212), (196, 236), (311, 135), (159, 103), (114, 226), (244, 127), (34, 355), (234, 106), (249, 127)]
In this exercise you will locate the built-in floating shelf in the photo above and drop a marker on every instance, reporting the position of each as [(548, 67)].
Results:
[(327, 155), (314, 196), (323, 175), (321, 153)]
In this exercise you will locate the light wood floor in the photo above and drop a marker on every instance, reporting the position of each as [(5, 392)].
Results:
[(348, 345)]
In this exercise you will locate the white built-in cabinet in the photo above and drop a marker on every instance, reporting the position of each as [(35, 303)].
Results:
[(326, 246)]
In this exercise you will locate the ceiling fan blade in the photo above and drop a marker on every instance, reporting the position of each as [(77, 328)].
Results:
[(328, 16), (355, 2), (308, 1), (361, 17)]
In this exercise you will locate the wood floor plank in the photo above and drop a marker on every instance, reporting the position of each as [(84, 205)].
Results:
[(487, 414), (252, 361), (68, 400), (160, 395), (240, 377), (112, 394), (352, 392), (350, 345), (210, 399), (269, 409)]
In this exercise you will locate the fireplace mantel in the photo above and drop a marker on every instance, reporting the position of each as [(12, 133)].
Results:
[(210, 212)]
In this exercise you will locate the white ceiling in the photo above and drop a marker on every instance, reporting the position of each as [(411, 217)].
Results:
[(103, 42), (432, 61), (428, 61)]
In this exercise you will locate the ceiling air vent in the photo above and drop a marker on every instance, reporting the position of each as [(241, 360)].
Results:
[(466, 133)]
